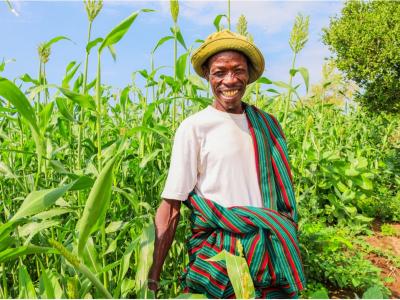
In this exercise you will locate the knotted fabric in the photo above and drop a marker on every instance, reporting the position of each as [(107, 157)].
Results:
[(268, 234)]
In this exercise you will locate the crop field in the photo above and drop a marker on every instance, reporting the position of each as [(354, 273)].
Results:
[(82, 167)]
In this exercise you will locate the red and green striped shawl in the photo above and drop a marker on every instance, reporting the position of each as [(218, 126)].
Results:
[(268, 234)]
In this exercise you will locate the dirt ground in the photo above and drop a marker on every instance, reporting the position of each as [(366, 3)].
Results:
[(390, 244)]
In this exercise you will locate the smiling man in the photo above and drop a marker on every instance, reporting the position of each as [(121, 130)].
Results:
[(230, 166)]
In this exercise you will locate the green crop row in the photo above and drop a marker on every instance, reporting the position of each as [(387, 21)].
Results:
[(82, 166)]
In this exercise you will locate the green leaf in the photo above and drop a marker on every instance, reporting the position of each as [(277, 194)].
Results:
[(191, 296), (96, 205), (217, 21), (27, 78), (7, 228), (31, 229), (7, 242), (13, 94), (180, 39), (374, 292), (38, 201), (128, 285), (81, 182), (45, 115), (45, 285), (197, 82), (181, 66), (92, 44), (114, 226), (85, 101), (273, 91), (162, 41), (90, 256), (6, 171), (284, 85), (145, 260), (26, 288), (351, 172), (54, 212), (5, 62), (120, 30), (363, 219), (264, 80), (319, 294), (112, 52), (124, 98), (249, 89), (55, 40), (13, 253), (149, 157), (306, 76), (62, 108), (239, 274), (71, 70), (363, 182), (123, 269)]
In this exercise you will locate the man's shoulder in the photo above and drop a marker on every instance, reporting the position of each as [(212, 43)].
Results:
[(195, 120), (270, 119)]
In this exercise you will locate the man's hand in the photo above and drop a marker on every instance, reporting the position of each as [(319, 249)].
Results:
[(166, 222)]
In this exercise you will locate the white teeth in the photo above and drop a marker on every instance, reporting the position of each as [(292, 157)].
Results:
[(230, 93)]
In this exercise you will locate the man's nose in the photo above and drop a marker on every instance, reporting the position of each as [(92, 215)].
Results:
[(230, 77)]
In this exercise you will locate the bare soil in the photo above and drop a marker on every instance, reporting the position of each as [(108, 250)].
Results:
[(390, 244)]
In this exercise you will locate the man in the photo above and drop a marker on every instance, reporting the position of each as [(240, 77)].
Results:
[(229, 164)]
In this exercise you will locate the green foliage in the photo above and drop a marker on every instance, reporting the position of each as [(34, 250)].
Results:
[(174, 7), (116, 34), (241, 28), (96, 205), (93, 8), (389, 230), (315, 291), (346, 171), (374, 292), (238, 272), (146, 249), (38, 201), (26, 288), (11, 93), (364, 39), (330, 257), (299, 33)]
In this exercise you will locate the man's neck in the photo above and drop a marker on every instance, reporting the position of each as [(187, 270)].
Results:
[(234, 110)]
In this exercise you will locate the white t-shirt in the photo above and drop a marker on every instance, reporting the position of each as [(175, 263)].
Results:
[(213, 154)]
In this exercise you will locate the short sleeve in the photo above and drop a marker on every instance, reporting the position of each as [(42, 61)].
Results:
[(182, 174)]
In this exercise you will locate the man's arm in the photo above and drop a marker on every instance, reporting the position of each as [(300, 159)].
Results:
[(166, 222)]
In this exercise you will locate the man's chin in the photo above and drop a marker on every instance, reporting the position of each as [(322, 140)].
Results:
[(230, 105)]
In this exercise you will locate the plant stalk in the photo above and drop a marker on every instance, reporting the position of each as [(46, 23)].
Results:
[(289, 96), (175, 59), (98, 120), (229, 14)]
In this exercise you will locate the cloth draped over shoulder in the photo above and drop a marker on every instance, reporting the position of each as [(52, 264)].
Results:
[(268, 234)]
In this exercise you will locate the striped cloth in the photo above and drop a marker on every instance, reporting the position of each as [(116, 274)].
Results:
[(268, 234)]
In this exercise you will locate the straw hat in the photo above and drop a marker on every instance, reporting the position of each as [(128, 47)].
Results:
[(227, 40)]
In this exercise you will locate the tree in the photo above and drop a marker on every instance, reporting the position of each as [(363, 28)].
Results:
[(365, 39), (333, 87)]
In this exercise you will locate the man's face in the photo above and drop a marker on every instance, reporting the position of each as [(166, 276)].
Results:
[(228, 75)]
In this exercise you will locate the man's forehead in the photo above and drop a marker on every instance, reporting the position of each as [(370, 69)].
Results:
[(225, 55)]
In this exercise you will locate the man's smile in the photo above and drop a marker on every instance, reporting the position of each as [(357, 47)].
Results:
[(230, 93)]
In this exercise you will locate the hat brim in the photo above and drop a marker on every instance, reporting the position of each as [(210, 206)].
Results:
[(208, 49)]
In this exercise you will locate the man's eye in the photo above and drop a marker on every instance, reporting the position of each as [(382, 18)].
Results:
[(218, 74)]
